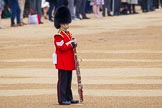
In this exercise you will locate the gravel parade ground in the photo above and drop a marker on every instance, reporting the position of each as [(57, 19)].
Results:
[(120, 60)]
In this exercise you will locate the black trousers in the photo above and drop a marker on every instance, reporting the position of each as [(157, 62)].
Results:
[(131, 8), (156, 4), (80, 8), (108, 5), (15, 11), (144, 5), (64, 91), (117, 4), (52, 5)]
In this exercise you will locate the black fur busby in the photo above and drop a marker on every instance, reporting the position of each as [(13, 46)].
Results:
[(62, 16)]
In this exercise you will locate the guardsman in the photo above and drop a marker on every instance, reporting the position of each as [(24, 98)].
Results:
[(64, 56)]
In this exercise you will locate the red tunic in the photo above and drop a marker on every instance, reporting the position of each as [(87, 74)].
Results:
[(64, 51)]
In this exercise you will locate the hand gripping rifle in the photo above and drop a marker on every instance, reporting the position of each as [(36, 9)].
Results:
[(80, 86)]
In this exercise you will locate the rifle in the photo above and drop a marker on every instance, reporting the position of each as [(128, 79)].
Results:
[(80, 86)]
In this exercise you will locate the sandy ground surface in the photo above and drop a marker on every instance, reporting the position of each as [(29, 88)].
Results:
[(120, 60)]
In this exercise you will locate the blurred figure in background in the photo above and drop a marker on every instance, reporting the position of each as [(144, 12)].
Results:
[(1, 9), (22, 6), (52, 4), (45, 7), (131, 6), (150, 6), (71, 8), (15, 12), (107, 5), (62, 2), (144, 5), (88, 7), (96, 7), (35, 7), (156, 4), (80, 9), (116, 7), (83, 11)]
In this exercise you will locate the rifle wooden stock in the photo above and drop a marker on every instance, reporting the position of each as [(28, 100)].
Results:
[(80, 86)]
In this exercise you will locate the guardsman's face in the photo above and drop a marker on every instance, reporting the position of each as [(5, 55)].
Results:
[(65, 26)]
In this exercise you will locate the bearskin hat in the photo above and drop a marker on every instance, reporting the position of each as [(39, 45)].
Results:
[(62, 16)]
